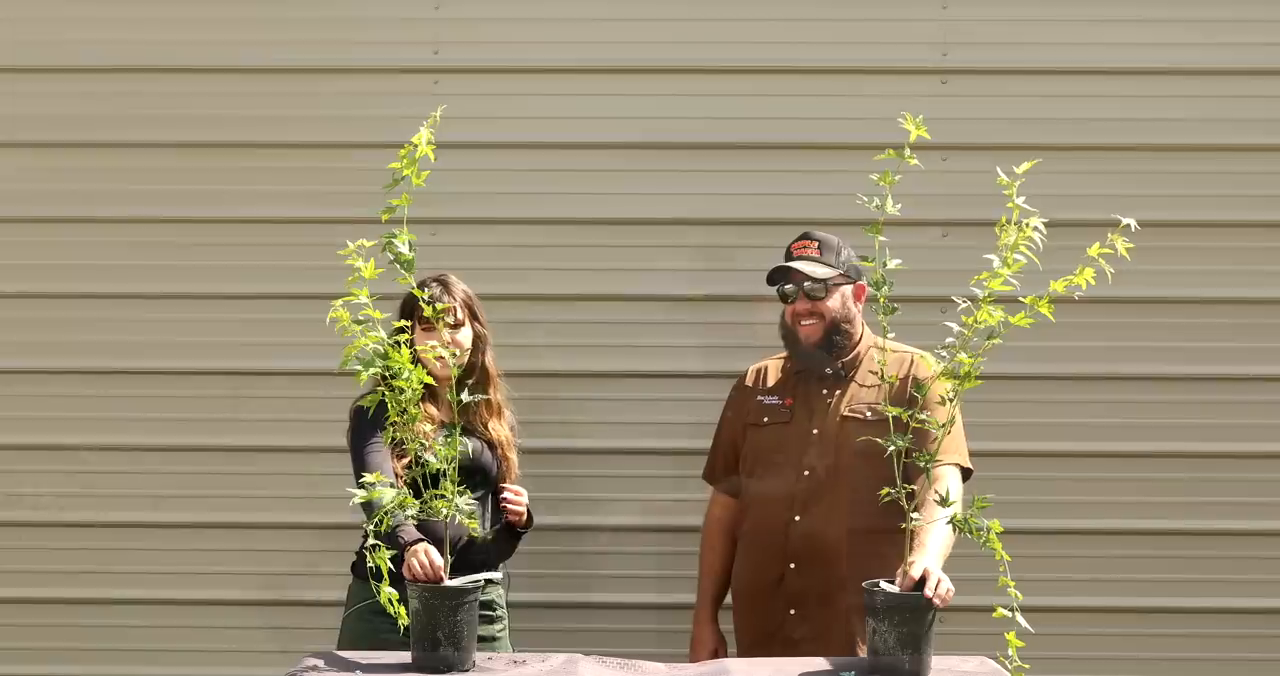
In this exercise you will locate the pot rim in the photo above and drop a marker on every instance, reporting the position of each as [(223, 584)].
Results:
[(873, 585), (437, 585)]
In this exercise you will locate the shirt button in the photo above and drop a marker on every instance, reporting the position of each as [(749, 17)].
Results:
[(765, 420), (806, 472), (815, 431), (824, 391), (797, 517), (793, 565), (792, 611)]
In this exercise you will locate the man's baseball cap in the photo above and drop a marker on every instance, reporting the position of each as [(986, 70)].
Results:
[(818, 255)]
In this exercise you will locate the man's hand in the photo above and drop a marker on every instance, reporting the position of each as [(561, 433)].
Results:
[(932, 540), (707, 642), (423, 563), (937, 586)]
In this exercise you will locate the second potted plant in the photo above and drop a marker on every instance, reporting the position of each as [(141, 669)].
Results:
[(900, 622)]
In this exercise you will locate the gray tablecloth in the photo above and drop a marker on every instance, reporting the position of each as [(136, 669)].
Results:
[(568, 664)]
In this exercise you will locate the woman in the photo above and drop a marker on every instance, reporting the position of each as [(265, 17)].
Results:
[(489, 471)]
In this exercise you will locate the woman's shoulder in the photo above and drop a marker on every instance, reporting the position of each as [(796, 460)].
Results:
[(363, 415)]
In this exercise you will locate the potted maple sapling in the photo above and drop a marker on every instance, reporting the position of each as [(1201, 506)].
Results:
[(900, 621), (442, 618)]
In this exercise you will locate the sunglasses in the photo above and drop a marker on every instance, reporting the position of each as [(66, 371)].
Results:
[(814, 289)]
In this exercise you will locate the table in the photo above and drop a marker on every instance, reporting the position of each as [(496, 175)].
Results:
[(570, 664)]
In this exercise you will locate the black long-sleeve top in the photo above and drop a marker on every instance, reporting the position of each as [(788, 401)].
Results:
[(477, 471)]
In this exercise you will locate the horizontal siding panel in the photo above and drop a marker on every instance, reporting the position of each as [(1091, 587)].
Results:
[(620, 459), (977, 590), (347, 33), (573, 262), (322, 491), (305, 548), (1025, 501), (734, 184), (324, 473), (1027, 504), (353, 107), (244, 580), (264, 411), (273, 504), (665, 507), (687, 508), (553, 336)]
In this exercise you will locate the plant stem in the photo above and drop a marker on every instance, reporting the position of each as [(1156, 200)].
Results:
[(882, 286), (456, 442)]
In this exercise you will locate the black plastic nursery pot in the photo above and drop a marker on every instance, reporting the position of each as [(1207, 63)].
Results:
[(443, 624), (899, 630)]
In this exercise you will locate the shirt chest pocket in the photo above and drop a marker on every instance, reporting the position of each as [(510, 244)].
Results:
[(770, 434), (862, 427), (864, 424)]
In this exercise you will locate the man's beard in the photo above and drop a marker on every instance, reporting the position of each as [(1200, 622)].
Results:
[(838, 339)]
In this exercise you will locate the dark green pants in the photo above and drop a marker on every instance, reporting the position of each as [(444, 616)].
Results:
[(367, 626)]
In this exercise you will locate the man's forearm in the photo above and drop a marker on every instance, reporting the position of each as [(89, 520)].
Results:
[(715, 556), (934, 538)]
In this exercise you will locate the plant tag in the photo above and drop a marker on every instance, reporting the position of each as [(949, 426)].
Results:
[(889, 586)]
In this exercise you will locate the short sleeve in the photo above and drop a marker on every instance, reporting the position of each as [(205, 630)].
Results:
[(954, 448), (721, 468)]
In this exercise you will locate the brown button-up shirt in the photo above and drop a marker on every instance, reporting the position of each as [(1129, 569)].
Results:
[(789, 447)]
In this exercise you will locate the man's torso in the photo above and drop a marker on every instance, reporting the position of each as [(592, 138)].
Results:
[(812, 527)]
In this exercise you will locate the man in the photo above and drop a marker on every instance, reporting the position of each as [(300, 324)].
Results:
[(794, 525)]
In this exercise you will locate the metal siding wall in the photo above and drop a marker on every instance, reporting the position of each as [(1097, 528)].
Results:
[(614, 177)]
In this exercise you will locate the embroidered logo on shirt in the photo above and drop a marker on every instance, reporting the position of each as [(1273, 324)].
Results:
[(775, 400)]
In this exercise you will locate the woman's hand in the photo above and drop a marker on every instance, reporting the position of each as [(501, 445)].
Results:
[(423, 563), (515, 504)]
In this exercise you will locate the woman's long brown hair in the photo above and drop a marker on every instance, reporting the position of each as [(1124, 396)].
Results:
[(489, 417)]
